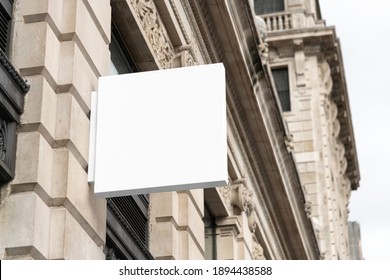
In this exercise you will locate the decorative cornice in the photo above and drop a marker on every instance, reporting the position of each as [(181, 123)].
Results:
[(15, 76), (208, 56), (180, 22)]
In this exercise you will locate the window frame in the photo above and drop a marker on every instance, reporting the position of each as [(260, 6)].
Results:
[(284, 96), (261, 10), (6, 8)]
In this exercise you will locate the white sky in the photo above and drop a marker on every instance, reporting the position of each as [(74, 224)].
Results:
[(364, 31)]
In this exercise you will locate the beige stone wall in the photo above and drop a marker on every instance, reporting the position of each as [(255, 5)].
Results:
[(61, 46), (317, 150), (49, 211)]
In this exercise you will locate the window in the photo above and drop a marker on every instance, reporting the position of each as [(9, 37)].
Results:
[(121, 61), (5, 23), (210, 235), (268, 6), (282, 86)]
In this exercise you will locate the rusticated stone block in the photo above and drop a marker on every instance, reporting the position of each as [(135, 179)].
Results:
[(25, 227), (169, 248), (40, 105), (36, 46), (78, 245), (72, 127)]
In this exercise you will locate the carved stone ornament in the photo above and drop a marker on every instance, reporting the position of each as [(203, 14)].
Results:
[(261, 29), (187, 56), (257, 251), (308, 208), (326, 78), (241, 197), (156, 34), (262, 33), (226, 196), (289, 141), (252, 221)]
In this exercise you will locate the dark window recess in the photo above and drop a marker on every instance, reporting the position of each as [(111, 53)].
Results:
[(127, 228), (5, 23), (120, 57), (268, 6), (210, 235), (12, 90), (282, 85), (127, 216)]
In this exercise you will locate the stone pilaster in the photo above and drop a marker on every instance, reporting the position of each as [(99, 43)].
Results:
[(50, 212), (176, 218)]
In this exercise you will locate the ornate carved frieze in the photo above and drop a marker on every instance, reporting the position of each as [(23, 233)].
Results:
[(155, 32)]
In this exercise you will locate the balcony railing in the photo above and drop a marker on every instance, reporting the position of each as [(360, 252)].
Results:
[(289, 20), (278, 22)]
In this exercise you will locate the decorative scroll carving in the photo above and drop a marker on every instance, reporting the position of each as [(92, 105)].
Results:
[(156, 34), (326, 80), (252, 221), (257, 251), (289, 141), (241, 197), (308, 208), (187, 55)]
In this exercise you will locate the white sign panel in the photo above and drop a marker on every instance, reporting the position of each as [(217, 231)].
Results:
[(159, 131)]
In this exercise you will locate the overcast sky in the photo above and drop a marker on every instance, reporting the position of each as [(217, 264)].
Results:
[(364, 31)]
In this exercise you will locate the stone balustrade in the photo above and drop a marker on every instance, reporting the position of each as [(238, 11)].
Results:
[(278, 21), (289, 20)]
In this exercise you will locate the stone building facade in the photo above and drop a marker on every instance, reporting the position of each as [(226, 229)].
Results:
[(316, 109), (290, 172)]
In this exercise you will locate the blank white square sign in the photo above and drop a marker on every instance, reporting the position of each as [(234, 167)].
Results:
[(159, 131)]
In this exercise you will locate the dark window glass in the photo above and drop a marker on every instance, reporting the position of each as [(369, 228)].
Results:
[(121, 60), (268, 6), (282, 85), (210, 235), (5, 23)]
